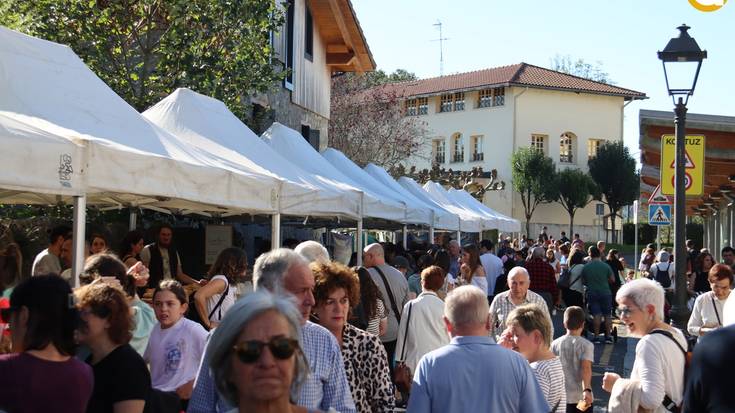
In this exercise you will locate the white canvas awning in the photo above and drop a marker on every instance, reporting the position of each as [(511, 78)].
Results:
[(443, 219), (416, 190), (128, 161), (470, 221), (416, 213), (504, 223), (37, 165), (292, 146), (207, 123)]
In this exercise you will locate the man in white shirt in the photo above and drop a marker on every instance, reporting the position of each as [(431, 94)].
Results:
[(493, 266), (518, 294), (47, 261)]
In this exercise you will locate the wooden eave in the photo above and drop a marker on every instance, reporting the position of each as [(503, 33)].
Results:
[(346, 46)]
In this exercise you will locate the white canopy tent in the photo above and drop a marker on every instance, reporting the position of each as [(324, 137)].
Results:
[(505, 223), (465, 221), (416, 213), (471, 222), (37, 166), (206, 122), (291, 145), (442, 219), (127, 161)]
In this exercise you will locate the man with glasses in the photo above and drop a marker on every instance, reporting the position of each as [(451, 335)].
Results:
[(326, 387)]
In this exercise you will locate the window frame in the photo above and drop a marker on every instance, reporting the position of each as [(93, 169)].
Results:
[(439, 149), (567, 143), (457, 142), (308, 34), (477, 148), (539, 137)]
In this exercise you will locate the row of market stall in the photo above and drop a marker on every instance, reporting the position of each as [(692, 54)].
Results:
[(67, 137)]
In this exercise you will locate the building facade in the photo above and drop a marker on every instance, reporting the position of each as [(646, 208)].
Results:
[(319, 38), (480, 118)]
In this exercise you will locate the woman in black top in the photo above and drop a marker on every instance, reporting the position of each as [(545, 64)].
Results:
[(122, 382), (617, 268), (699, 279)]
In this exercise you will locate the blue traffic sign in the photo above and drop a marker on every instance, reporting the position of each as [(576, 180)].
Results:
[(659, 214)]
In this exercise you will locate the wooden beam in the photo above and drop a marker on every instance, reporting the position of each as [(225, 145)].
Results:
[(337, 48), (340, 20), (341, 59)]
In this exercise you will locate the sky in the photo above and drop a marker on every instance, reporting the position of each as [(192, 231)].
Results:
[(623, 35)]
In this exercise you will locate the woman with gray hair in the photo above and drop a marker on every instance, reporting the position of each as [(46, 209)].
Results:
[(247, 375), (657, 377)]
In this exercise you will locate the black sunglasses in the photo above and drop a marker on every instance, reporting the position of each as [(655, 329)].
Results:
[(250, 351)]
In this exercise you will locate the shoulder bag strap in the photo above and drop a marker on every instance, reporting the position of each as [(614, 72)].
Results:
[(576, 279), (667, 402), (405, 337), (221, 300), (717, 313), (392, 299)]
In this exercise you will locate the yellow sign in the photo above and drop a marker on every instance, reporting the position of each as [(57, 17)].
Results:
[(707, 5), (694, 164)]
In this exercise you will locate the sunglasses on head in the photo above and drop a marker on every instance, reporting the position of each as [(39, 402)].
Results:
[(250, 351)]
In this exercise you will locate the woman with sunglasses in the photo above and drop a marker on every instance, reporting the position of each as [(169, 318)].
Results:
[(658, 369), (122, 382), (255, 355), (337, 289), (213, 300), (42, 374), (707, 314)]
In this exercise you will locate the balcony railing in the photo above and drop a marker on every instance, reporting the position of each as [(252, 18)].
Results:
[(476, 157), (439, 159), (458, 157), (565, 158)]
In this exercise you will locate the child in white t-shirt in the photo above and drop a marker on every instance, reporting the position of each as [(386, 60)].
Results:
[(576, 354), (176, 344)]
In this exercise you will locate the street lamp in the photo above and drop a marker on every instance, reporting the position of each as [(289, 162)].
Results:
[(682, 58)]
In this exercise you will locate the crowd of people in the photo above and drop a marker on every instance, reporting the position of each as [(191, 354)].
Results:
[(444, 327)]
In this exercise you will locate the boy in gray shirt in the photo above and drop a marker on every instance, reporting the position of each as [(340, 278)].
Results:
[(576, 354)]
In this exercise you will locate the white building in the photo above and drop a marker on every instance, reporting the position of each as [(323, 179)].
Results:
[(480, 118)]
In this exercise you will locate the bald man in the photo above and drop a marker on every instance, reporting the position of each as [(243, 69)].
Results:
[(394, 288), (505, 302)]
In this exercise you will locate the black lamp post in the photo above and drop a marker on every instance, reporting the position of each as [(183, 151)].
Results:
[(682, 58)]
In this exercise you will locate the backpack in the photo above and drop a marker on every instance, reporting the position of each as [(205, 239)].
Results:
[(662, 276), (668, 404)]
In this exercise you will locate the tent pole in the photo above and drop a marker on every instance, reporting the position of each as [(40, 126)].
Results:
[(276, 231), (80, 219), (133, 219), (459, 236), (358, 239), (405, 237)]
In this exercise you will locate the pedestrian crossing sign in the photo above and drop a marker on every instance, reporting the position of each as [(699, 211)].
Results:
[(659, 214)]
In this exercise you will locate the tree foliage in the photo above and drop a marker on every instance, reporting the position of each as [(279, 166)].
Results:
[(576, 189), (145, 49), (368, 122), (614, 171), (581, 68), (534, 178)]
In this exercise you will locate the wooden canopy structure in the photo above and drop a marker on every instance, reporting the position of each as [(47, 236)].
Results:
[(716, 204), (347, 49)]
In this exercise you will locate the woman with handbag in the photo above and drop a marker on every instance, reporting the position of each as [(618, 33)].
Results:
[(422, 330), (365, 360), (707, 314), (214, 299)]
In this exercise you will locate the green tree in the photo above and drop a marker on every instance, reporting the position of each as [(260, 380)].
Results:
[(581, 68), (614, 172), (576, 190), (145, 49), (368, 122), (534, 178)]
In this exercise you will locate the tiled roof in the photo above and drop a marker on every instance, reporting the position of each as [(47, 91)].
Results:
[(521, 74)]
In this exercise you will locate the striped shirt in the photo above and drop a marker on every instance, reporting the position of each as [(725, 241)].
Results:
[(373, 326), (550, 376), (502, 306)]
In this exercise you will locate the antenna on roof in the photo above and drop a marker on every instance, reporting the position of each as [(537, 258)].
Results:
[(441, 47)]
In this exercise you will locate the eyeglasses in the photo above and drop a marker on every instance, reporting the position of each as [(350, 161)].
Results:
[(624, 312), (281, 347)]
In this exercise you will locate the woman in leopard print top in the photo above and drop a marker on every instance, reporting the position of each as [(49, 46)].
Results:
[(335, 292)]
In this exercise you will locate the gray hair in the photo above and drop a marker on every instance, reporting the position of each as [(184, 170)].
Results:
[(466, 306), (271, 267), (518, 270), (644, 292), (219, 350), (313, 251), (538, 252)]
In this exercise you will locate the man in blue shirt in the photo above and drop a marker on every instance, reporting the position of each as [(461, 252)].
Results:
[(283, 270), (472, 373)]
